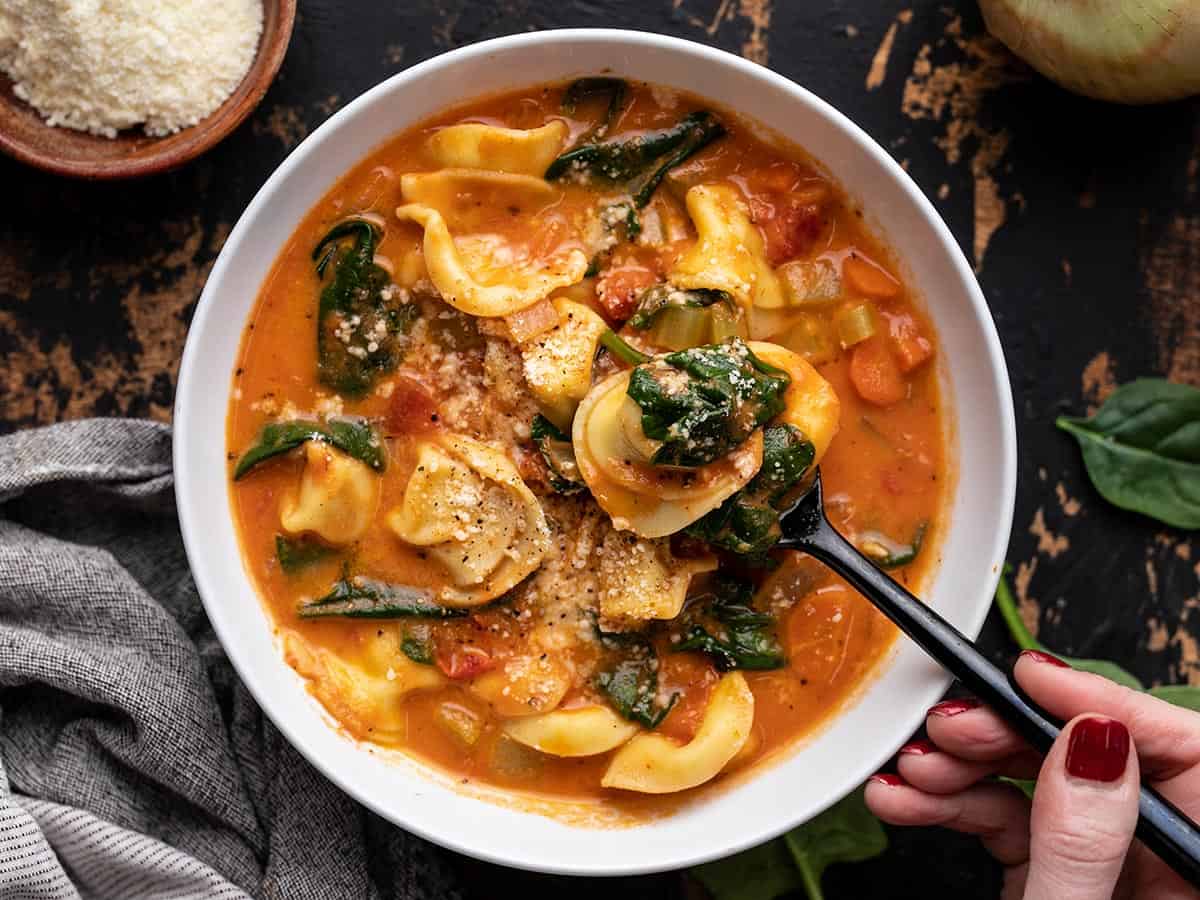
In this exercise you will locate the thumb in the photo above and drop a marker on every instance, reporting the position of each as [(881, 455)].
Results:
[(1085, 808)]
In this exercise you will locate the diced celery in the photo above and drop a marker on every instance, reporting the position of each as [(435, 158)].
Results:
[(812, 337), (460, 721), (810, 282), (680, 328), (856, 323), (727, 323), (516, 760)]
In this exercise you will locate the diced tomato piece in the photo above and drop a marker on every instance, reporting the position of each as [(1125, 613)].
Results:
[(875, 373), (911, 347), (412, 408), (618, 289), (868, 278), (464, 662), (791, 229)]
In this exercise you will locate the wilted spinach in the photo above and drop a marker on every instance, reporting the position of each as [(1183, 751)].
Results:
[(558, 455), (630, 684), (655, 300), (584, 88), (640, 162), (846, 832), (354, 437), (744, 639), (359, 597), (296, 554), (622, 350), (361, 321), (888, 554), (1142, 450), (417, 644), (748, 522), (704, 402)]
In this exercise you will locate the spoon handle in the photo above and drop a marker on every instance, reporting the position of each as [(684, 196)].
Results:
[(1161, 826)]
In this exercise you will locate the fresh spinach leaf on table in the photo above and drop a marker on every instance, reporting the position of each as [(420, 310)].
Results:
[(1142, 450), (846, 832)]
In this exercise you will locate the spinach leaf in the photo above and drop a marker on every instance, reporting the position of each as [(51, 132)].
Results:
[(622, 350), (1142, 450), (295, 554), (631, 684), (748, 522), (886, 553), (584, 88), (1184, 695), (640, 162), (746, 637), (365, 598), (704, 402), (1007, 605), (661, 297), (558, 455), (361, 319), (354, 437), (846, 832), (417, 644)]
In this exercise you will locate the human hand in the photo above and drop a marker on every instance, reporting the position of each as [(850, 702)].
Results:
[(1074, 842)]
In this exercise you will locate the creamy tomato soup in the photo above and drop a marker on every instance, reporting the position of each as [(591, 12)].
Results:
[(513, 419)]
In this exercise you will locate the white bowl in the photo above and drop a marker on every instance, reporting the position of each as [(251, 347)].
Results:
[(865, 734)]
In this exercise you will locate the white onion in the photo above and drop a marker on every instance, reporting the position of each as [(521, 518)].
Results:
[(1126, 51)]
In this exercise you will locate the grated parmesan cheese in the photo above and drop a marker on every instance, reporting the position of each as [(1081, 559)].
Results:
[(104, 65)]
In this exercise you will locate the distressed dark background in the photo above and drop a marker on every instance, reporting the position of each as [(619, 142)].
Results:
[(1082, 218)]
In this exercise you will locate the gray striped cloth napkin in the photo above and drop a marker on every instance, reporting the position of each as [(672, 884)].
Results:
[(133, 763)]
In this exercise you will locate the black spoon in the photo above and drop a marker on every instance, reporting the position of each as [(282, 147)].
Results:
[(1161, 826)]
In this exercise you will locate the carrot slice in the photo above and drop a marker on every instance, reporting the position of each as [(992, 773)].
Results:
[(875, 374), (868, 279), (911, 347)]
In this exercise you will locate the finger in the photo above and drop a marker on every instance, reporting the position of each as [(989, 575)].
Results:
[(968, 730), (1167, 736), (997, 814), (929, 769), (1085, 808)]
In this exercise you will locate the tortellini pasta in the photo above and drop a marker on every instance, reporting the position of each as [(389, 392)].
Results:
[(367, 695), (581, 731), (729, 255), (812, 405), (455, 191), (655, 764), (641, 579), (651, 501), (558, 364), (474, 145), (472, 279), (336, 498), (526, 685), (468, 506)]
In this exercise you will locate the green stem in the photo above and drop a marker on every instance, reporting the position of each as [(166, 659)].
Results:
[(1007, 605), (621, 350), (812, 884)]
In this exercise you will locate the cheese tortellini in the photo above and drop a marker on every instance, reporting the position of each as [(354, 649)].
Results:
[(812, 405), (365, 695), (729, 254), (655, 764), (641, 579), (468, 506), (336, 498), (581, 731), (480, 277), (474, 145), (651, 501), (451, 191), (558, 364)]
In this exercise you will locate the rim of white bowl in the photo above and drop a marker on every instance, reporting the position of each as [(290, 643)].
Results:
[(248, 669)]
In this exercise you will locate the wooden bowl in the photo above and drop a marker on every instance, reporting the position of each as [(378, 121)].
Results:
[(132, 153)]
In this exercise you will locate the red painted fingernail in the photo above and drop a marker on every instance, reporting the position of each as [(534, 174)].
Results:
[(1098, 749), (918, 748), (1039, 656), (887, 779), (948, 708)]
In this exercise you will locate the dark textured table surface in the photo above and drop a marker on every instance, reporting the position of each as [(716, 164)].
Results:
[(1083, 221)]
